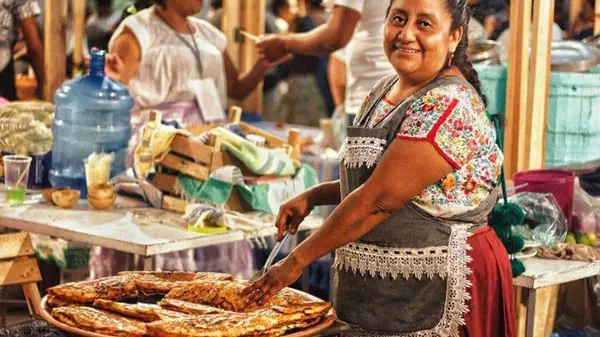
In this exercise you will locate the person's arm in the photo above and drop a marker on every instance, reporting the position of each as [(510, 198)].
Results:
[(124, 59), (239, 86), (294, 211), (405, 170), (336, 72), (325, 39), (35, 49)]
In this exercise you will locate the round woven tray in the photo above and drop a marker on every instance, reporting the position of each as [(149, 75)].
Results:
[(327, 321)]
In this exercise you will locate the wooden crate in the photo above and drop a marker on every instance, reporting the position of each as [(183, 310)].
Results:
[(235, 203), (192, 157)]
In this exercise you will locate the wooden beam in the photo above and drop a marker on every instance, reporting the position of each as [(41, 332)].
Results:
[(597, 18), (231, 21), (32, 297), (54, 47), (79, 32), (15, 245), (575, 7), (253, 21), (516, 90), (539, 82)]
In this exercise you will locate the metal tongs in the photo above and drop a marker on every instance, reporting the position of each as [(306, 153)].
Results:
[(271, 257)]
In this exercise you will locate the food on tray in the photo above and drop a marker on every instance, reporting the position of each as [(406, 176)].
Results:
[(196, 304), (227, 295), (266, 322), (55, 302), (109, 288), (160, 283), (142, 311), (189, 307), (99, 321)]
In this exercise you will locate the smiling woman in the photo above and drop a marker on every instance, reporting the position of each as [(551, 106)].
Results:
[(419, 174)]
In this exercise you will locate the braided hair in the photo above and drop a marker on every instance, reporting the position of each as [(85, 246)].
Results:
[(461, 15)]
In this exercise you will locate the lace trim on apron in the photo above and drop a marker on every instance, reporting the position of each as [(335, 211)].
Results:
[(455, 269), (382, 261), (358, 151)]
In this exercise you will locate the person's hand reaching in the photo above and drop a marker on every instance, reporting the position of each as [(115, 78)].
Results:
[(113, 66), (268, 64), (272, 47)]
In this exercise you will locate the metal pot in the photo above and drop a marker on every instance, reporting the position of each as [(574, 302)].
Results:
[(484, 52), (573, 56)]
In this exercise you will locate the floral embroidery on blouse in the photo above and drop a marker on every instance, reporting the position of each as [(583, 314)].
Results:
[(454, 120), (382, 110)]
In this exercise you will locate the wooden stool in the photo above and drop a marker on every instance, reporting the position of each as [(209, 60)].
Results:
[(19, 266)]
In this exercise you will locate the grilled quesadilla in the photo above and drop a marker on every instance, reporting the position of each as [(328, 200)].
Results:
[(141, 311), (99, 321)]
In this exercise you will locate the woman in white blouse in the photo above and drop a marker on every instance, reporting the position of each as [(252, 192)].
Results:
[(178, 64)]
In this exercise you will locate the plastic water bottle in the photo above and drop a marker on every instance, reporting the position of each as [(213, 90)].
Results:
[(93, 114)]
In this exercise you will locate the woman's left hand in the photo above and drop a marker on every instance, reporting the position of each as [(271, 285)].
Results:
[(279, 276), (266, 64)]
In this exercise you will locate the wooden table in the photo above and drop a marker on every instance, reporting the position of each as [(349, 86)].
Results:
[(143, 231), (543, 274)]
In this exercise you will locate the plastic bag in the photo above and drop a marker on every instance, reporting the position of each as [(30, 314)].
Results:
[(544, 220), (586, 211)]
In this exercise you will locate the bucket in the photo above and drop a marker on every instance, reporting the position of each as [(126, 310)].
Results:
[(557, 182)]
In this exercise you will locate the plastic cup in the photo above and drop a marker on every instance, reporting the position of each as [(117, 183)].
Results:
[(16, 175)]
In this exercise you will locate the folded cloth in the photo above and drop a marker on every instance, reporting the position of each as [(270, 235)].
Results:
[(260, 160), (578, 252), (265, 197), (160, 144), (202, 216)]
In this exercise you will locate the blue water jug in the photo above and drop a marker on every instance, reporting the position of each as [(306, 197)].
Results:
[(93, 114)]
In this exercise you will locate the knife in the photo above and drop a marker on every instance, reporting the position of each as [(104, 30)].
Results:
[(271, 258)]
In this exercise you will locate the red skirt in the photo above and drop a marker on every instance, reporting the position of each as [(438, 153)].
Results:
[(491, 307)]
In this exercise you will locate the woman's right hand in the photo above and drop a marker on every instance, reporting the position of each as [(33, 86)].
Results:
[(114, 67), (292, 213)]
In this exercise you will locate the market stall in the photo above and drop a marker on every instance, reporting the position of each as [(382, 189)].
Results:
[(544, 92)]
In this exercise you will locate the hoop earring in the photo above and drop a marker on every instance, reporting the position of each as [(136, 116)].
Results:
[(450, 60)]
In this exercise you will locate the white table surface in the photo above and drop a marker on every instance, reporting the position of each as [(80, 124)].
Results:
[(144, 231), (545, 272)]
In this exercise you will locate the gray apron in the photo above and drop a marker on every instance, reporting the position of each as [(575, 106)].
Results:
[(408, 275)]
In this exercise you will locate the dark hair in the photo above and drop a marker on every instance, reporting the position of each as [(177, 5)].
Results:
[(279, 4), (461, 14)]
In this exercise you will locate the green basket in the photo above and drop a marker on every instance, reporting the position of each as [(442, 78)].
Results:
[(573, 123), (493, 84)]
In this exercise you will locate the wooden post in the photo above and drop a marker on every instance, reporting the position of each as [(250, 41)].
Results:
[(253, 21), (597, 18), (539, 82), (516, 91), (294, 141), (19, 266), (231, 21), (575, 7), (235, 115), (79, 32), (54, 47)]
